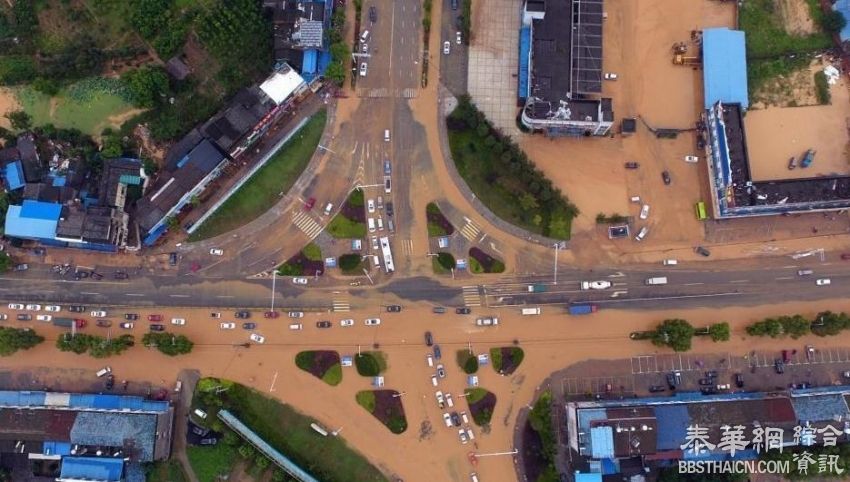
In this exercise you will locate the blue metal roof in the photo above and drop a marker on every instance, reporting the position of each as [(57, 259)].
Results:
[(597, 477), (58, 181), (310, 61), (56, 448), (602, 442), (33, 220), (92, 468), (724, 67), (81, 401), (843, 7), (672, 426), (14, 175), (524, 60)]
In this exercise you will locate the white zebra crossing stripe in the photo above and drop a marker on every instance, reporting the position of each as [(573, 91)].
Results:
[(471, 296), (305, 223), (469, 231), (341, 306)]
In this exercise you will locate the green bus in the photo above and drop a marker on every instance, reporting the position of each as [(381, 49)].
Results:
[(700, 210)]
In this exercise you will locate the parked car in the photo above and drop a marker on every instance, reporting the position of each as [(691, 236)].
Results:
[(390, 209), (103, 323), (24, 317), (323, 324), (370, 206), (462, 434), (249, 326), (437, 352), (429, 359), (120, 275), (157, 327), (127, 325), (172, 259), (429, 340), (243, 314), (363, 68), (131, 316), (309, 204), (4, 316), (53, 308), (299, 281), (216, 251), (154, 317), (447, 47), (257, 338), (76, 309), (779, 366), (702, 251), (632, 165), (657, 388), (458, 38), (16, 306), (98, 314), (178, 321), (227, 326), (373, 14), (691, 159), (463, 311), (441, 401), (610, 76), (271, 314), (823, 282), (296, 314), (455, 419), (439, 310), (43, 317), (393, 308), (644, 211), (739, 380), (441, 371), (33, 307), (372, 321), (665, 176), (22, 267), (845, 256), (346, 322)]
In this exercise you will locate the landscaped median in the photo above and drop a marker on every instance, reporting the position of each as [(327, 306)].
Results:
[(322, 364), (506, 359), (481, 404), (386, 406), (350, 222), (262, 190)]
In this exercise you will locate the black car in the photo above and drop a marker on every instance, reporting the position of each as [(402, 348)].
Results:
[(389, 207), (157, 327), (700, 142), (463, 311), (437, 353), (702, 251), (120, 275), (110, 382), (76, 308), (656, 388), (711, 373), (172, 259), (665, 176), (708, 390), (632, 165), (671, 381), (393, 308), (208, 441), (96, 275), (323, 324), (24, 317), (244, 314), (373, 14), (429, 340), (739, 380), (779, 366), (131, 316), (78, 275), (455, 419), (706, 381), (200, 431), (454, 4), (249, 326)]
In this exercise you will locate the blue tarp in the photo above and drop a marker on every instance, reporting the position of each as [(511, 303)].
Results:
[(589, 477), (724, 67), (92, 468), (673, 421), (324, 61), (58, 181), (33, 220), (14, 175), (151, 238), (524, 60), (843, 6), (56, 448), (311, 60)]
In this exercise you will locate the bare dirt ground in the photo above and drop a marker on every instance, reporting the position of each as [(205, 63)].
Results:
[(794, 90), (8, 103), (776, 134), (551, 341), (795, 17)]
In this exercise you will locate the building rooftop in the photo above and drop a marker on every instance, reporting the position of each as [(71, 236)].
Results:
[(247, 108), (33, 170), (297, 24), (136, 433), (724, 67), (282, 84), (101, 469), (32, 220), (116, 176)]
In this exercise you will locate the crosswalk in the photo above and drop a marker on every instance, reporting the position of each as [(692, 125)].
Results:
[(341, 305), (305, 223), (471, 296), (407, 247), (408, 93), (469, 230)]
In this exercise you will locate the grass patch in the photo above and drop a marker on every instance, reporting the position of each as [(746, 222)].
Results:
[(312, 252), (370, 363), (89, 113), (322, 364), (350, 222), (208, 462), (503, 177), (506, 359), (481, 262), (467, 361), (481, 404), (263, 189), (350, 264), (438, 225), (328, 459), (443, 263), (386, 406), (166, 471), (308, 262)]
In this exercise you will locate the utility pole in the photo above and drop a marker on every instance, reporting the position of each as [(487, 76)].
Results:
[(557, 248), (274, 279)]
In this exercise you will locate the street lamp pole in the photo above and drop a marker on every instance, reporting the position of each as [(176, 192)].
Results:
[(274, 279), (557, 248)]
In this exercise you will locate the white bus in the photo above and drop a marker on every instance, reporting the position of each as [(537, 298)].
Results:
[(388, 255)]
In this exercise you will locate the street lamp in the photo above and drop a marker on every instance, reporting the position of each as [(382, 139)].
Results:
[(399, 394)]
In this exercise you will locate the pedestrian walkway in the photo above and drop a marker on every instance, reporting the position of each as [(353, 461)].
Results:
[(305, 223), (471, 296), (384, 92), (469, 230), (340, 304), (407, 247)]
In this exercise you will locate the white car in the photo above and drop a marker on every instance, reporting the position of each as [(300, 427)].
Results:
[(372, 321), (464, 418), (363, 69), (447, 47), (462, 434), (691, 159), (227, 326), (299, 281), (823, 282), (441, 402), (98, 314), (53, 308), (642, 233), (610, 76), (370, 205), (216, 252), (434, 380), (644, 211), (296, 314), (595, 285), (429, 358), (43, 317), (447, 419), (33, 307), (16, 306), (256, 337), (449, 400), (458, 38), (178, 321), (346, 322)]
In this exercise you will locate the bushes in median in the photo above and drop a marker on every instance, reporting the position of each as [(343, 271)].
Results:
[(96, 346), (168, 344)]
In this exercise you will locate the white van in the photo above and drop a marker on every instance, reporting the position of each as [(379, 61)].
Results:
[(201, 414), (390, 225), (104, 371), (386, 135), (329, 208), (670, 262), (531, 311), (380, 224), (371, 222), (642, 233), (295, 326), (364, 36), (376, 260), (659, 280)]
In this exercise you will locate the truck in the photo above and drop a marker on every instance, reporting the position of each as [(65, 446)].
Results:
[(658, 280), (531, 311), (582, 309), (68, 322), (538, 288), (808, 157)]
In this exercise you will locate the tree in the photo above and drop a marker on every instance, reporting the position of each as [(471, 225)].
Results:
[(833, 21), (675, 333), (230, 438), (339, 51), (528, 202), (262, 462), (5, 259), (246, 451), (14, 339), (146, 85), (46, 86), (828, 323), (112, 146), (719, 331), (168, 344), (20, 120), (335, 73), (149, 16)]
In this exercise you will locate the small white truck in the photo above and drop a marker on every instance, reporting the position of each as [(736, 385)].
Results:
[(658, 280)]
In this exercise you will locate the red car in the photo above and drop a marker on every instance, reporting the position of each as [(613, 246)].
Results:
[(845, 256), (81, 323), (154, 317), (271, 314), (309, 204)]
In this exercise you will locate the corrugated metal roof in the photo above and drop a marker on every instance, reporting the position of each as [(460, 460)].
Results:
[(92, 468), (80, 401), (21, 225), (14, 175), (589, 477), (56, 448), (602, 442), (820, 407), (724, 67), (111, 429), (672, 422)]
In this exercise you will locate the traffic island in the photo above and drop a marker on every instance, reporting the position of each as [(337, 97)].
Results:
[(481, 262), (370, 363), (481, 404), (506, 359), (322, 364), (350, 222), (438, 225), (351, 264), (467, 361), (443, 263), (386, 406), (307, 262)]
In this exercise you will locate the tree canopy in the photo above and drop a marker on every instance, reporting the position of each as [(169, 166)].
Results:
[(14, 339), (169, 344), (146, 85), (675, 333)]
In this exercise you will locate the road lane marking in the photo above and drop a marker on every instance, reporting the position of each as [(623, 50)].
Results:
[(784, 277), (133, 294), (740, 281), (225, 296), (693, 284), (88, 293), (790, 266), (179, 296)]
